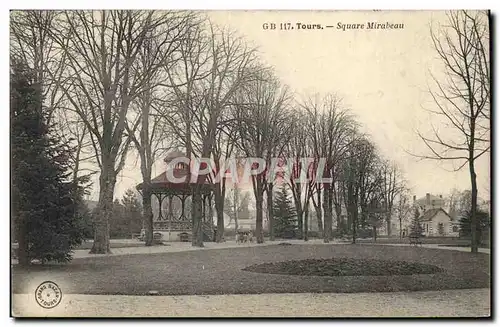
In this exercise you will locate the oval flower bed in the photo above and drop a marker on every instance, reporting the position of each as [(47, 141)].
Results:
[(344, 267)]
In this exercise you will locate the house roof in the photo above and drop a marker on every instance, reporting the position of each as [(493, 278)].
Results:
[(174, 155), (423, 200), (182, 185), (429, 214)]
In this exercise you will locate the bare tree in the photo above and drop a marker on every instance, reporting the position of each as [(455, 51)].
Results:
[(369, 166), (260, 119), (31, 43), (299, 147), (316, 192), (152, 138), (452, 203), (462, 96), (337, 196), (331, 128), (100, 82), (76, 133), (185, 78), (403, 209), (375, 212), (213, 65), (283, 130), (360, 179), (392, 186), (222, 149)]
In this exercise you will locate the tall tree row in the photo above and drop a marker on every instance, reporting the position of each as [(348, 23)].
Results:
[(125, 83), (260, 118), (130, 79), (213, 65)]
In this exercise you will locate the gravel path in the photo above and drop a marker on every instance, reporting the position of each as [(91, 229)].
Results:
[(439, 246), (451, 303)]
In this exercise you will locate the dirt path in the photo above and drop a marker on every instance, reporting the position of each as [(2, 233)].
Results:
[(451, 303)]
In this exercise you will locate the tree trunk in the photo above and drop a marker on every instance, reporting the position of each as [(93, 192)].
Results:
[(219, 208), (319, 213), (353, 219), (400, 229), (319, 219), (210, 218), (354, 223), (220, 224), (330, 208), (388, 221), (473, 222), (235, 208), (349, 218), (196, 216), (270, 216), (297, 200), (148, 213), (306, 223), (374, 234), (364, 217), (338, 213), (328, 217), (101, 226), (300, 223), (236, 223), (258, 223)]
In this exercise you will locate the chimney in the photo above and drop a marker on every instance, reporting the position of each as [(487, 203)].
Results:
[(414, 198), (428, 199), (440, 196)]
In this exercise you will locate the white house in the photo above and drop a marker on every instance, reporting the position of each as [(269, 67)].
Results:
[(436, 222)]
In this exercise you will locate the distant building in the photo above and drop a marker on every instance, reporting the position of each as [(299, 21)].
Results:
[(244, 224), (436, 222), (429, 202), (434, 219)]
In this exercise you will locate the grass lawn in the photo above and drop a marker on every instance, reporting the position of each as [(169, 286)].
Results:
[(220, 271)]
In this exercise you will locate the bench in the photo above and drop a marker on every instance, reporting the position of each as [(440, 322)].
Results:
[(415, 240)]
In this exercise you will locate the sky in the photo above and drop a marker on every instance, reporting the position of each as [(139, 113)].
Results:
[(381, 75)]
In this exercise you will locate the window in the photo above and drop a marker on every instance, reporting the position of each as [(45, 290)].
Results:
[(455, 229)]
